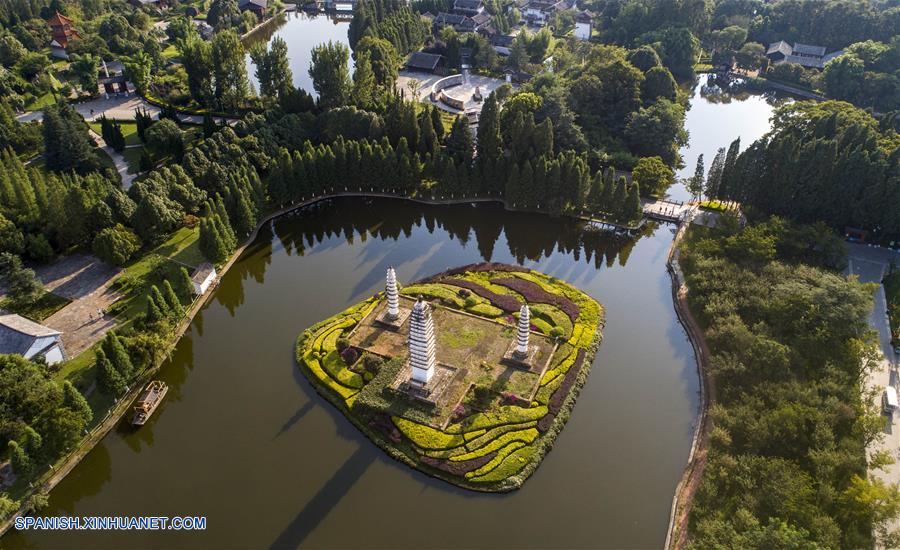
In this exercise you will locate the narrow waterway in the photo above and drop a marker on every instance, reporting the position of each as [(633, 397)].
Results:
[(244, 440)]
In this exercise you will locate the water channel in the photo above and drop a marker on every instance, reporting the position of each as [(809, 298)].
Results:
[(244, 440)]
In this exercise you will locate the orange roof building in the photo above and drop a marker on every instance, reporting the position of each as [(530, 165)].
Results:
[(62, 30)]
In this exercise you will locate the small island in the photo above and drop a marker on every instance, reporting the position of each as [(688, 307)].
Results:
[(468, 375)]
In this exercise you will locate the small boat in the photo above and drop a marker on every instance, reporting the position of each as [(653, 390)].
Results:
[(148, 401)]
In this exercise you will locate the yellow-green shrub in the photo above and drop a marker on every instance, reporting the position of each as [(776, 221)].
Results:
[(509, 414), (527, 436), (323, 377), (494, 433), (511, 465), (427, 437), (335, 367), (501, 454)]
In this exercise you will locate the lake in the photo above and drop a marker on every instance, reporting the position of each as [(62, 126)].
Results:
[(301, 31), (244, 440)]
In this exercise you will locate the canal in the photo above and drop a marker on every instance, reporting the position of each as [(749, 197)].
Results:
[(244, 440)]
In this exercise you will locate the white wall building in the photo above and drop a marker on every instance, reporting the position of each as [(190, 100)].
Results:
[(30, 340), (583, 26), (203, 277)]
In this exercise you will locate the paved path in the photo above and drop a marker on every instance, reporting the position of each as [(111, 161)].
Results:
[(422, 83), (870, 264), (118, 108), (118, 160), (86, 281)]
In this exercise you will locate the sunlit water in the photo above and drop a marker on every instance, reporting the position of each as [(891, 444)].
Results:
[(244, 440)]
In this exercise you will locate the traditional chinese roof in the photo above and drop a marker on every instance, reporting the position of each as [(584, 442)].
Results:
[(583, 17), (58, 19), (780, 47), (422, 60), (806, 49)]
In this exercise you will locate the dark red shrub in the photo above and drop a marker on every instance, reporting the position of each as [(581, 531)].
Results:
[(534, 294), (458, 468), (503, 301), (559, 396), (545, 422), (350, 355)]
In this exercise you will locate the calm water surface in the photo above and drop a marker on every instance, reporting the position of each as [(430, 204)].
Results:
[(245, 441), (301, 32)]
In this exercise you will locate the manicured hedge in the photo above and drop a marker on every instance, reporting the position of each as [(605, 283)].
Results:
[(335, 367), (486, 310), (426, 437), (502, 415), (511, 465), (442, 292), (494, 433), (494, 462), (457, 469), (526, 436), (313, 365), (503, 301), (559, 396), (554, 316), (535, 294)]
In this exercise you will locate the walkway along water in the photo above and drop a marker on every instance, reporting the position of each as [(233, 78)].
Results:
[(676, 534)]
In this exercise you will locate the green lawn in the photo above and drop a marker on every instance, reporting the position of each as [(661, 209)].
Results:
[(170, 52), (40, 309), (129, 130), (183, 247), (40, 102)]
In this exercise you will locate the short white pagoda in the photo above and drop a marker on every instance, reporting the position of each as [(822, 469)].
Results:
[(524, 330), (393, 297), (519, 352), (393, 316), (421, 344)]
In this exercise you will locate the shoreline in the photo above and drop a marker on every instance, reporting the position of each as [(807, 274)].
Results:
[(682, 500), (58, 472)]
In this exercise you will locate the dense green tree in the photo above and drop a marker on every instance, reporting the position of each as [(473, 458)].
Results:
[(273, 70), (653, 176), (329, 73), (21, 463), (86, 69), (108, 378), (20, 283), (694, 184), (116, 245), (67, 145), (229, 70), (460, 143), (184, 287)]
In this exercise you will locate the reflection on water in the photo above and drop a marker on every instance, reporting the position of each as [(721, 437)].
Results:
[(245, 434), (301, 31), (244, 440)]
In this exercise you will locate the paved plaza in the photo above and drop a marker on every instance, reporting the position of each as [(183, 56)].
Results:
[(87, 282), (420, 83)]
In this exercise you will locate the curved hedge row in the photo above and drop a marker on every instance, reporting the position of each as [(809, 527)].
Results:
[(492, 450)]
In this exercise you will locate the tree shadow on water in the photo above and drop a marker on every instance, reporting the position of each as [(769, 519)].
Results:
[(317, 509)]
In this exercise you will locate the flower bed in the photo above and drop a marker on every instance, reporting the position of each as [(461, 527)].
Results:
[(535, 294), (503, 301), (495, 449)]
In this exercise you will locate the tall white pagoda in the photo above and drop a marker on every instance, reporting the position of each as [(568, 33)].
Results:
[(524, 329), (421, 344)]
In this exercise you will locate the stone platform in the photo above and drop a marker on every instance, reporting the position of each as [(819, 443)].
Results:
[(393, 324), (527, 361), (437, 392)]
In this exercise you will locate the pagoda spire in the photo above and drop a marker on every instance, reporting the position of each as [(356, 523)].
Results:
[(524, 327), (393, 297), (421, 343)]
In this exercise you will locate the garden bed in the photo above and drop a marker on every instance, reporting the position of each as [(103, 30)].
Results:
[(494, 430)]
